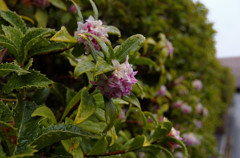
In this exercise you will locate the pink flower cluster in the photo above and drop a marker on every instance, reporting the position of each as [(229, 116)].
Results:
[(177, 104), (197, 84), (94, 27), (41, 3), (162, 91), (120, 82), (186, 109), (176, 134), (190, 139)]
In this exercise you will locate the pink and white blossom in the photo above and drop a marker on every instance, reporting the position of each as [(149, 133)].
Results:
[(190, 139), (198, 123), (186, 109), (199, 108), (197, 84), (177, 104), (120, 82), (175, 134), (178, 154), (205, 112), (169, 47), (94, 27), (162, 91)]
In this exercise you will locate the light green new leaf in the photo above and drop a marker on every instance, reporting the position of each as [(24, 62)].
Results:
[(93, 127), (63, 36), (59, 4), (6, 68), (95, 10), (83, 66), (100, 147), (131, 45), (113, 30), (56, 133), (86, 108), (102, 67), (42, 17), (46, 113), (132, 99), (111, 114), (33, 79), (3, 6), (14, 20)]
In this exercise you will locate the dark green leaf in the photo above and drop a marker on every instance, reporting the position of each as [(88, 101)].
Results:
[(135, 143), (132, 99), (143, 61), (5, 112), (83, 66), (71, 104), (86, 108), (40, 96), (131, 45), (6, 68), (56, 133), (5, 42), (111, 113), (33, 79), (93, 127), (14, 20), (100, 147)]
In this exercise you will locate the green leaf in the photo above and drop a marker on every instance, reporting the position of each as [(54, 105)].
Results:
[(13, 34), (132, 99), (174, 140), (29, 64), (45, 112), (70, 148), (156, 149), (42, 17), (6, 68), (135, 143), (110, 49), (14, 20), (95, 10), (40, 96), (8, 135), (100, 147), (63, 36), (102, 67), (93, 127), (111, 114), (56, 133), (71, 104), (143, 61), (131, 45), (86, 108), (48, 49), (5, 42), (103, 46), (113, 30), (59, 4), (26, 125), (5, 112), (33, 79), (79, 13), (83, 66), (3, 6), (32, 37)]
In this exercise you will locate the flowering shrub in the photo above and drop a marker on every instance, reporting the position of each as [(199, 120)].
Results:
[(83, 91)]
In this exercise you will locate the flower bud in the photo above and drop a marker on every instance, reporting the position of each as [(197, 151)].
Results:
[(186, 109), (197, 84), (176, 134), (190, 139)]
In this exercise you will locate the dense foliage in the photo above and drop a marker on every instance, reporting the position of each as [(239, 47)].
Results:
[(72, 87)]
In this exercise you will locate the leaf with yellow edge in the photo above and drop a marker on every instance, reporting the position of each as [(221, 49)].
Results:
[(3, 5), (63, 36)]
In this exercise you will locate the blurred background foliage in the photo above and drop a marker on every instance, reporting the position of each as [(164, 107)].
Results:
[(185, 24)]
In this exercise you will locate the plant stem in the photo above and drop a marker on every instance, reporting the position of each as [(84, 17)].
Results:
[(3, 54), (6, 99)]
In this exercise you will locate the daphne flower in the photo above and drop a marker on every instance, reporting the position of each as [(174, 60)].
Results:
[(177, 104), (94, 27), (72, 9), (199, 108), (197, 84), (190, 139), (198, 123), (178, 154), (162, 91), (205, 112), (41, 3), (186, 109), (120, 82), (175, 134), (169, 47)]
